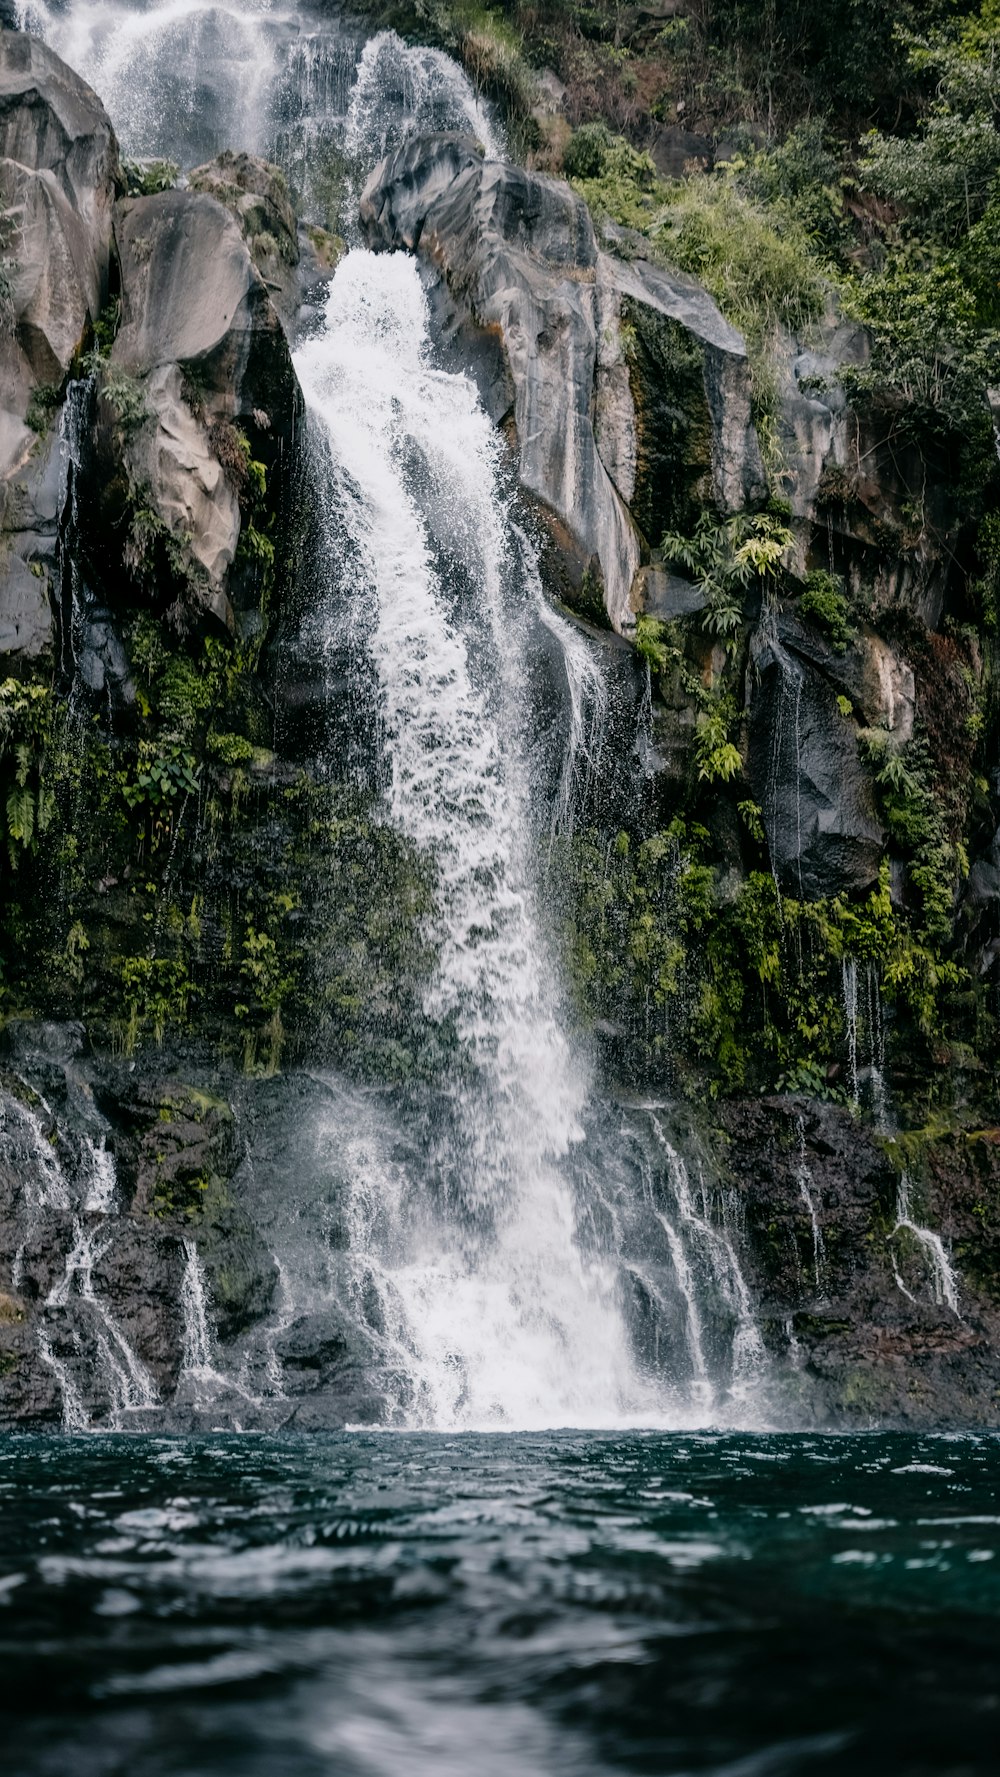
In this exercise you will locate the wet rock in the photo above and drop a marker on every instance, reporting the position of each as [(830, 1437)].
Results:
[(257, 195), (667, 596), (59, 174), (178, 1151), (204, 346), (877, 504), (807, 775), (868, 1341), (690, 381), (598, 429), (518, 254)]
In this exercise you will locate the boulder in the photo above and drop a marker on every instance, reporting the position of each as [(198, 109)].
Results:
[(202, 343), (876, 680), (689, 378), (598, 427), (257, 195), (862, 1333), (518, 254), (59, 174), (816, 796)]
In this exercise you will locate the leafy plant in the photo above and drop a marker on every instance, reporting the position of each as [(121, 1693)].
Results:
[(824, 602), (725, 558), (145, 178)]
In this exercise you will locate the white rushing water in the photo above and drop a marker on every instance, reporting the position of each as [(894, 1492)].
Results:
[(128, 1384), (849, 988), (26, 1149), (510, 1321), (196, 1357), (186, 78), (701, 1235), (943, 1278)]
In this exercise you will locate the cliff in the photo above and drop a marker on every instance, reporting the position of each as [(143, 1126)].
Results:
[(779, 898)]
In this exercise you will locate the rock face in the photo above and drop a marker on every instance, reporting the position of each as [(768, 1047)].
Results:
[(807, 776), (257, 195), (203, 344), (844, 477), (107, 1182), (59, 175), (858, 1304), (596, 432)]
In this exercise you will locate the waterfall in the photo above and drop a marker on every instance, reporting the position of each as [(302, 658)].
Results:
[(942, 1271), (74, 1412), (510, 1320), (196, 1358), (100, 1177), (404, 90), (129, 1386), (26, 1150), (747, 1356), (587, 696), (876, 1036), (174, 75), (185, 79), (804, 1180), (849, 984), (481, 1237)]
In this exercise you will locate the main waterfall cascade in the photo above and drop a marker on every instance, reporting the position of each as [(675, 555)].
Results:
[(512, 1252)]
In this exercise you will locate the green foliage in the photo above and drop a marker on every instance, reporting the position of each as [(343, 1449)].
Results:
[(725, 558), (800, 183), (930, 362), (614, 179), (161, 779), (735, 988), (716, 757), (42, 404), (145, 178), (761, 268), (943, 177), (915, 819), (155, 993), (125, 396), (823, 601), (653, 645), (27, 797)]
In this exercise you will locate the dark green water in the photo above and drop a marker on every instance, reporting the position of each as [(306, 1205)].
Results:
[(369, 1604)]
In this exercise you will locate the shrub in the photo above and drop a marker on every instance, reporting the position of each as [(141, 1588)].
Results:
[(824, 602)]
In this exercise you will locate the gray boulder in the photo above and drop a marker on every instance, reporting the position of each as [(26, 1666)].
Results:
[(59, 173), (847, 474), (689, 377), (626, 387), (517, 252), (202, 343), (257, 195)]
